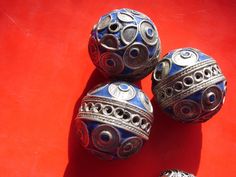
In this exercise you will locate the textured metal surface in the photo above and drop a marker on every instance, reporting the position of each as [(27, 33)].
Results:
[(133, 37), (129, 147), (175, 173), (105, 138), (111, 63), (188, 84), (118, 117), (82, 132)]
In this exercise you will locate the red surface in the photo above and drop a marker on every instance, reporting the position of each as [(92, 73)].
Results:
[(45, 70)]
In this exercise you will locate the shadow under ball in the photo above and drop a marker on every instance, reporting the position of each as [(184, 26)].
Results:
[(114, 120), (175, 173), (189, 85), (124, 45)]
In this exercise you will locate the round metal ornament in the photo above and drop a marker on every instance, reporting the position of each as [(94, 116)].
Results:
[(189, 85), (114, 120), (124, 45)]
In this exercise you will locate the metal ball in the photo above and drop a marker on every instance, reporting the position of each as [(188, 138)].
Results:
[(189, 85), (175, 173), (124, 45), (114, 120)]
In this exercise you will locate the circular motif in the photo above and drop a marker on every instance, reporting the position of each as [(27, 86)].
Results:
[(207, 72), (125, 17), (211, 98), (114, 27), (93, 50), (107, 110), (111, 63), (97, 107), (82, 131), (178, 86), (122, 91), (144, 123), (169, 91), (128, 34), (109, 41), (135, 120), (145, 101), (88, 106), (188, 81), (136, 56), (185, 57), (162, 69), (186, 110), (105, 138), (104, 22), (148, 33), (214, 70), (198, 76), (129, 147), (119, 112)]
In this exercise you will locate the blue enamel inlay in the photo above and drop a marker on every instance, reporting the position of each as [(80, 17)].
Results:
[(135, 101), (221, 85), (174, 69), (203, 56), (127, 71), (212, 98), (124, 87), (196, 96)]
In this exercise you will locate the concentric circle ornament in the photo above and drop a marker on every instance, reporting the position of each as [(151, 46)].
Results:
[(185, 57), (188, 84), (122, 91), (116, 114), (129, 33), (145, 101), (125, 17), (93, 50), (186, 110), (136, 56), (105, 138), (114, 27), (104, 22), (211, 98), (111, 63), (115, 33), (162, 70), (130, 147), (82, 132), (148, 33), (110, 42)]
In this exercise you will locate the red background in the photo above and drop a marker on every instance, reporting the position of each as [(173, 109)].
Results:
[(45, 70)]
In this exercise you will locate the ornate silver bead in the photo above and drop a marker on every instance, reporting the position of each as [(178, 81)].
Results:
[(124, 45), (189, 85), (114, 120), (175, 173)]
